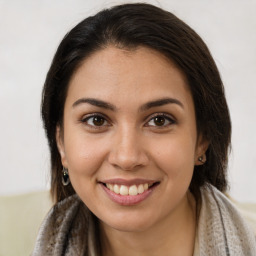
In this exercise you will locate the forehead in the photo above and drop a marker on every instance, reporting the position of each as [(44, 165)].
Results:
[(142, 73)]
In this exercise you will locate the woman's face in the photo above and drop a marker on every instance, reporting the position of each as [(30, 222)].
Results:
[(129, 140)]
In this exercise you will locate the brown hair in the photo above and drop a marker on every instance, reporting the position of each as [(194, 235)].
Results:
[(129, 26)]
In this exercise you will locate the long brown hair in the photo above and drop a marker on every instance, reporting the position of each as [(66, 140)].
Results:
[(129, 26)]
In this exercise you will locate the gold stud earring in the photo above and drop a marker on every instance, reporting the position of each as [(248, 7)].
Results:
[(202, 159)]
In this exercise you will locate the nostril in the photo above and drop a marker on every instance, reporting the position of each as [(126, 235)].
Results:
[(128, 160)]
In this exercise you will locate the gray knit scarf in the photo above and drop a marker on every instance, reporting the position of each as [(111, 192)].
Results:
[(68, 230)]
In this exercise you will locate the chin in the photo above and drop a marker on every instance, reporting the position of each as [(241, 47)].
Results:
[(125, 224)]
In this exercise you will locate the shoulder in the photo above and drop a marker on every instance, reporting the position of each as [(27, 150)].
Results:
[(222, 227), (248, 211), (226, 206), (63, 225)]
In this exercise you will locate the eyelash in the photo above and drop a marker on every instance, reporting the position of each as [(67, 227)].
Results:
[(95, 115), (166, 117)]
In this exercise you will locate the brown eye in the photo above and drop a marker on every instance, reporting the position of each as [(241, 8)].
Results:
[(96, 121), (159, 120)]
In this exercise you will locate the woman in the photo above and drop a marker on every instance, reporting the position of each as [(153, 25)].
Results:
[(139, 132)]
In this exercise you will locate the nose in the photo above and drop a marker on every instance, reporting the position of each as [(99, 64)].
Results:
[(128, 151)]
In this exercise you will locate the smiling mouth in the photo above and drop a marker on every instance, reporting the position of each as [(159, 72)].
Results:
[(132, 190)]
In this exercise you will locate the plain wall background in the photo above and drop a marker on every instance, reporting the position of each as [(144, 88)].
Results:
[(30, 32)]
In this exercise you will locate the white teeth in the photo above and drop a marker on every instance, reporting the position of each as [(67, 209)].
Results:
[(140, 189), (145, 186), (116, 189), (126, 190), (133, 191), (111, 187)]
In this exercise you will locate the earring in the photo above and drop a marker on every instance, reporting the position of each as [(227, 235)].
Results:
[(65, 177), (202, 159)]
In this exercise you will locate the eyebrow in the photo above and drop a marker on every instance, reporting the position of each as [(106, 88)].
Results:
[(95, 102), (144, 107), (159, 103)]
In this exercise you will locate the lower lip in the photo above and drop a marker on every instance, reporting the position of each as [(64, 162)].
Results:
[(128, 200)]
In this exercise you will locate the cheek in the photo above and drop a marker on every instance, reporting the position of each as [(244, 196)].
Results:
[(84, 155), (175, 156)]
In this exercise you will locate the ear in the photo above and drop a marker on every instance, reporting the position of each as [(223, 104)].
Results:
[(201, 148), (60, 145)]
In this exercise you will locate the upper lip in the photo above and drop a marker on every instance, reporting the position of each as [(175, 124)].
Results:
[(126, 182)]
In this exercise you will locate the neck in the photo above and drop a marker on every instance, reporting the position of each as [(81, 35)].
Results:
[(164, 238)]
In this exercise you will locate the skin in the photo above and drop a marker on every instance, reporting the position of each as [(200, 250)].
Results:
[(130, 144)]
